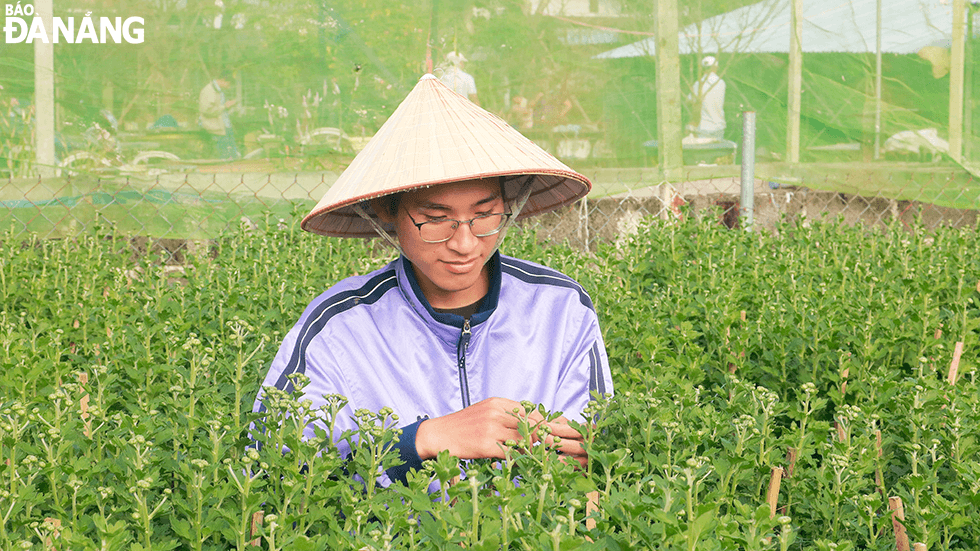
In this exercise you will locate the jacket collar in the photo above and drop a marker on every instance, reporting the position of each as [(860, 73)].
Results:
[(413, 292)]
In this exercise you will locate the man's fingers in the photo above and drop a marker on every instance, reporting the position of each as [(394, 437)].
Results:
[(541, 430), (564, 430), (571, 447), (535, 417), (581, 460)]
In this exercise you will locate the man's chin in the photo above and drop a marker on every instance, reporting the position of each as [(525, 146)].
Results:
[(457, 283)]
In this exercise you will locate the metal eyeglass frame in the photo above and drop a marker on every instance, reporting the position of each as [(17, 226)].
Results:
[(515, 210), (458, 223)]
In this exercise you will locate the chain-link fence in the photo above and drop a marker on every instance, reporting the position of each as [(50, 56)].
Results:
[(182, 209), (179, 119)]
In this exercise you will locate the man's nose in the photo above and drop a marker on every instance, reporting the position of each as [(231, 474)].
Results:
[(463, 240)]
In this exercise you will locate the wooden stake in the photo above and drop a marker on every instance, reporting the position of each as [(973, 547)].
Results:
[(743, 311), (83, 404), (772, 495), (728, 345), (939, 332), (257, 518), (591, 506), (791, 455), (55, 533), (791, 462), (920, 547), (843, 384), (955, 365), (879, 480), (898, 514)]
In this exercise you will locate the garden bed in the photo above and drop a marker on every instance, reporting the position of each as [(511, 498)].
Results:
[(773, 390)]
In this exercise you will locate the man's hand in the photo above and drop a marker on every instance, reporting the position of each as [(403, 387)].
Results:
[(481, 430)]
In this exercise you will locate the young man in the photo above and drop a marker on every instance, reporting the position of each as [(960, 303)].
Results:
[(452, 335)]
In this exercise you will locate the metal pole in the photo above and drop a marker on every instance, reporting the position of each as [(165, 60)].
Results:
[(668, 90), (968, 135), (878, 83), (585, 220), (795, 100), (44, 94), (956, 73), (748, 169)]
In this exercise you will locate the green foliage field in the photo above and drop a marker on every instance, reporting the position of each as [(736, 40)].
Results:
[(732, 353)]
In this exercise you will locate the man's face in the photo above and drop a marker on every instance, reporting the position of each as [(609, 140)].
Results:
[(452, 273)]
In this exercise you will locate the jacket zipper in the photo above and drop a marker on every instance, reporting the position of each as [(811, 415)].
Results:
[(461, 346)]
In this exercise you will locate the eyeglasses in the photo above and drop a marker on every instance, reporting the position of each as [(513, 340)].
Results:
[(443, 229)]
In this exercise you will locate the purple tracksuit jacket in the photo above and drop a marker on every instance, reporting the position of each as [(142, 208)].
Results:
[(376, 340)]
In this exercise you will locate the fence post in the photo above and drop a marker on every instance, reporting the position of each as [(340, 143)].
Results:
[(583, 223), (748, 169)]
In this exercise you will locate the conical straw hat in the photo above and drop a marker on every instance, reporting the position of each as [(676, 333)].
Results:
[(436, 137)]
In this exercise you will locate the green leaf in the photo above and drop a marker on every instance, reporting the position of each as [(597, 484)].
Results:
[(583, 485), (704, 517), (489, 542), (301, 543), (916, 482), (181, 527)]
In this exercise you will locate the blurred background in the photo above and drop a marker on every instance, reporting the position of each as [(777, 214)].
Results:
[(228, 111)]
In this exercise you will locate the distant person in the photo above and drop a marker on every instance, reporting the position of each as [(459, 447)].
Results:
[(213, 111), (457, 79), (709, 91)]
